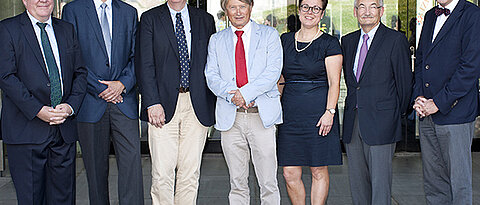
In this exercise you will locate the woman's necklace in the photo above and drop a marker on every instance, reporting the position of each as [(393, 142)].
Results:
[(309, 43)]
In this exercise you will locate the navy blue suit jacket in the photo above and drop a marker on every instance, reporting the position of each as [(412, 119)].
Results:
[(26, 85), (448, 69), (383, 91), (158, 64), (82, 14)]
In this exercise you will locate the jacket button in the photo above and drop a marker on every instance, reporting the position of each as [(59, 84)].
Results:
[(48, 84), (358, 88), (427, 85), (427, 67)]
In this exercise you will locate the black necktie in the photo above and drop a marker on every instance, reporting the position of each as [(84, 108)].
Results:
[(182, 51), (55, 86)]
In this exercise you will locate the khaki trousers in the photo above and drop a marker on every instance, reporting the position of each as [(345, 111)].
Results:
[(249, 136), (177, 146)]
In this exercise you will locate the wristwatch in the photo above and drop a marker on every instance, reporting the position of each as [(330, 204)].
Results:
[(331, 110)]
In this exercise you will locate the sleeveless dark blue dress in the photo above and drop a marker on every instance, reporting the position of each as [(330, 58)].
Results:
[(304, 101)]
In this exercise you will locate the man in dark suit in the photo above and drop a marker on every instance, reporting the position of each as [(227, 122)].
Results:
[(43, 83), (106, 33), (447, 68), (170, 57), (378, 75)]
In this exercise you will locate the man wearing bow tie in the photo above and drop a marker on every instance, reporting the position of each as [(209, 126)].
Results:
[(446, 98)]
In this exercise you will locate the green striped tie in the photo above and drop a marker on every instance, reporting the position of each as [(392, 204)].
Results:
[(53, 74)]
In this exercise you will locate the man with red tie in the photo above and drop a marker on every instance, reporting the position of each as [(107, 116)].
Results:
[(243, 66)]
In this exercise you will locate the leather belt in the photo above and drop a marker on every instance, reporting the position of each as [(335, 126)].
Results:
[(183, 90), (249, 110)]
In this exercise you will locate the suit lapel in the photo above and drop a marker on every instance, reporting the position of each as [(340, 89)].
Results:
[(116, 21), (91, 13), (61, 44), (430, 21), (254, 40), (373, 50), (194, 23), (32, 40), (451, 20), (353, 48), (230, 46), (169, 29)]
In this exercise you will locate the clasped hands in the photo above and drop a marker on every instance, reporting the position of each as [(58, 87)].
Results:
[(238, 100), (55, 116), (425, 107), (113, 93)]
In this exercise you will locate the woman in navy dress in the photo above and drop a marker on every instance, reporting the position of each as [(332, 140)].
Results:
[(309, 135)]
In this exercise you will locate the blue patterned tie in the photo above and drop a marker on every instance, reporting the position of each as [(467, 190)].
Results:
[(53, 74), (106, 30), (182, 51)]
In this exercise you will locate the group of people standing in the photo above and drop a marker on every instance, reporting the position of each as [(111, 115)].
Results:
[(62, 80)]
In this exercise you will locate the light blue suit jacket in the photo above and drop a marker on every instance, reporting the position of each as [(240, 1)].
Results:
[(263, 70)]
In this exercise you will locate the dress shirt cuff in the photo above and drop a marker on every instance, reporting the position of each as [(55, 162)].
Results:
[(71, 108)]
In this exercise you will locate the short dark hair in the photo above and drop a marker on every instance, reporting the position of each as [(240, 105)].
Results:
[(223, 3), (324, 2)]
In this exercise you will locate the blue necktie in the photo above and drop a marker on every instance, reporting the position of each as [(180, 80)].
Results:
[(106, 30), (53, 74), (182, 51)]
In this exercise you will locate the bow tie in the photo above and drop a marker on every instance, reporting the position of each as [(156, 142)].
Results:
[(439, 11)]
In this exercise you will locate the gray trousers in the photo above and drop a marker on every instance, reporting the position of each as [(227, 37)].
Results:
[(447, 162), (369, 170), (95, 143)]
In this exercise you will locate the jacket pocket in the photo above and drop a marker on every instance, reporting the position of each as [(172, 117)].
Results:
[(386, 105)]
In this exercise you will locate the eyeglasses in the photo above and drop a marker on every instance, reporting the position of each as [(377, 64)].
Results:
[(372, 7), (305, 8)]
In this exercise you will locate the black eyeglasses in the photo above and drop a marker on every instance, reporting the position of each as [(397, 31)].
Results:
[(315, 9)]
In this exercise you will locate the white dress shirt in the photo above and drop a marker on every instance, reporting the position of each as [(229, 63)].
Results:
[(186, 25), (108, 10), (53, 43), (370, 34), (247, 32), (442, 18)]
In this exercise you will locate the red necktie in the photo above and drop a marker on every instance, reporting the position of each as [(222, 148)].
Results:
[(240, 61)]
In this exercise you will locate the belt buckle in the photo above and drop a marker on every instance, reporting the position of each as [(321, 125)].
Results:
[(183, 90)]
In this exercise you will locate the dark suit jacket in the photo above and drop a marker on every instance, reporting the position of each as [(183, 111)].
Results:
[(447, 70), (83, 16), (383, 91), (25, 82), (158, 64)]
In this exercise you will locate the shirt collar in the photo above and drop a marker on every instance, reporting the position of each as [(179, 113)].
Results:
[(35, 21), (98, 3), (184, 11), (371, 33), (450, 6), (245, 29)]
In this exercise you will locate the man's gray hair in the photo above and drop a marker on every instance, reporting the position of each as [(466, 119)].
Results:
[(223, 3), (379, 2)]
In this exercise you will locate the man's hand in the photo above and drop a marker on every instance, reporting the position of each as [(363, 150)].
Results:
[(54, 116), (430, 107), (237, 98), (115, 89), (156, 115), (419, 106)]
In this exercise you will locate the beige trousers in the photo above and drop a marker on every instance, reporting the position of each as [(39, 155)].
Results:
[(249, 136), (176, 150)]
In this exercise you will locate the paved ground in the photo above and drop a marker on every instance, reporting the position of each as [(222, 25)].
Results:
[(214, 186)]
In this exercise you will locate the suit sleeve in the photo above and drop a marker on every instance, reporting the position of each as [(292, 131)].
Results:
[(271, 74), (11, 85), (402, 72), (466, 75), (215, 82), (79, 80), (93, 86), (127, 77), (145, 63)]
